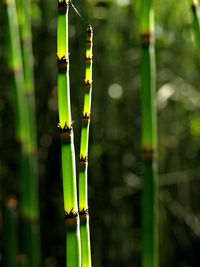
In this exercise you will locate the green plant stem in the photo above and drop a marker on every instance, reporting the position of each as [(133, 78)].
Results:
[(15, 64), (196, 23), (149, 138), (83, 173), (73, 256), (28, 199), (31, 227), (10, 232)]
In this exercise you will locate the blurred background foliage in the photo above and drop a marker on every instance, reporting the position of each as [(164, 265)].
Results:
[(114, 154)]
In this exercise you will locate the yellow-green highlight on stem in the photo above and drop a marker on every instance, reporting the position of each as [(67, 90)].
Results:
[(68, 172), (85, 242), (63, 65), (149, 137), (83, 173), (73, 253), (86, 122)]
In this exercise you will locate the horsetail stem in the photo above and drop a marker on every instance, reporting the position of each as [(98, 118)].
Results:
[(149, 137), (27, 55), (83, 194), (196, 23), (63, 65), (31, 232), (29, 210), (11, 232), (15, 64), (67, 140), (83, 199)]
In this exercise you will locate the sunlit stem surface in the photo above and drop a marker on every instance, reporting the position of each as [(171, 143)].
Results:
[(83, 168), (73, 254)]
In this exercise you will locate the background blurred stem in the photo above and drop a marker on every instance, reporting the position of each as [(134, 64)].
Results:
[(32, 233), (67, 139), (83, 172), (149, 137), (10, 232), (28, 184)]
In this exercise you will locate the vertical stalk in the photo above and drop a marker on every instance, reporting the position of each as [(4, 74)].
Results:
[(32, 231), (67, 140), (28, 200), (15, 64), (196, 23), (10, 232), (83, 173), (149, 137)]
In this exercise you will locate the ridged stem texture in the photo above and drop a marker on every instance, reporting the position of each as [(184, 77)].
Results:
[(10, 232), (83, 172), (196, 23), (73, 255), (149, 137), (28, 184)]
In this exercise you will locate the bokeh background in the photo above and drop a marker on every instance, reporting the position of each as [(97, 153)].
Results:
[(115, 165)]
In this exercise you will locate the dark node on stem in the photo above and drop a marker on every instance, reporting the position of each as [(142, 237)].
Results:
[(29, 94), (63, 64), (88, 86), (21, 258), (63, 7), (66, 134), (88, 60), (85, 118), (11, 202), (146, 39), (84, 216), (194, 7), (71, 220), (83, 161), (88, 43), (26, 40), (148, 154), (29, 220), (15, 70)]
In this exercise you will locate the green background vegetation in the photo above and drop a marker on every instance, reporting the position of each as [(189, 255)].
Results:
[(115, 162)]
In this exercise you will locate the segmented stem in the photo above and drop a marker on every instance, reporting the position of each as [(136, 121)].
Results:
[(29, 210), (149, 137), (63, 66), (67, 139), (83, 173)]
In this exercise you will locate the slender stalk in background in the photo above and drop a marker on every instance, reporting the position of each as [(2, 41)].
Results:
[(32, 237), (15, 64), (149, 137), (73, 257), (28, 198), (83, 173), (11, 232), (196, 23)]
